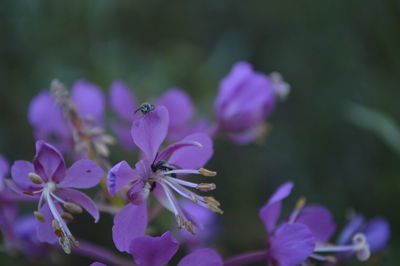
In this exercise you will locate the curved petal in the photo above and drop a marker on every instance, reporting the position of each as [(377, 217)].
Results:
[(129, 223), (119, 176), (153, 251), (202, 257), (176, 146), (90, 109), (19, 173), (270, 212), (193, 157), (48, 162), (137, 193), (179, 105), (82, 174), (149, 131), (377, 232), (122, 100), (81, 199), (319, 220), (44, 229), (352, 227), (291, 244)]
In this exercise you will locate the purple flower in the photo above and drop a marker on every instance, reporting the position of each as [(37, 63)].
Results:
[(161, 173), (48, 180), (376, 231), (51, 119), (154, 251), (244, 101), (178, 103)]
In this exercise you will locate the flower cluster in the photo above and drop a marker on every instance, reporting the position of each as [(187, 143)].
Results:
[(172, 147)]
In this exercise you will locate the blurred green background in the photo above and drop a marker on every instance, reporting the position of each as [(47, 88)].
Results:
[(333, 53)]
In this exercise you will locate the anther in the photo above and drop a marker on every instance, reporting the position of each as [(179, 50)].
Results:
[(73, 208), (189, 227), (214, 208), (300, 203), (179, 221), (57, 228), (35, 178), (194, 199), (212, 200), (74, 242), (39, 216), (28, 193), (206, 186), (206, 172), (67, 217)]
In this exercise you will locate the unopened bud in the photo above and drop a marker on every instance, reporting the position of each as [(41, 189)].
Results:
[(39, 216), (206, 172), (206, 186), (35, 178), (73, 208), (67, 217)]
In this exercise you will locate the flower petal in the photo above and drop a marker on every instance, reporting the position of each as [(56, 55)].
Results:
[(149, 131), (179, 105), (153, 251), (81, 199), (352, 227), (44, 229), (19, 173), (319, 220), (4, 168), (176, 146), (291, 244), (92, 109), (129, 223), (122, 100), (119, 176), (193, 157), (123, 132), (202, 257), (82, 174), (270, 212), (48, 162), (377, 232)]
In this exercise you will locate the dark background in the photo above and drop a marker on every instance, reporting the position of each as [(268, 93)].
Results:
[(333, 53)]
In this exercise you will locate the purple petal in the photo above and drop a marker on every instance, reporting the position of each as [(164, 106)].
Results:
[(92, 109), (97, 264), (123, 133), (44, 229), (8, 214), (82, 174), (202, 257), (19, 173), (119, 176), (153, 251), (129, 223), (137, 193), (81, 199), (377, 232), (270, 212), (353, 227), (193, 157), (160, 195), (122, 100), (319, 220), (48, 162), (291, 244), (246, 136), (180, 107), (176, 146), (149, 131), (4, 168)]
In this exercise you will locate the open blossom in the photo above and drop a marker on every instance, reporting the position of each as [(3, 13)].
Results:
[(178, 103), (245, 100), (48, 180), (155, 251), (305, 233), (62, 121), (160, 173)]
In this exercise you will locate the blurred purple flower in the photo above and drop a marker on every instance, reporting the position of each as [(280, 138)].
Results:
[(376, 231), (178, 103), (48, 119), (245, 100), (155, 251), (159, 172), (48, 180)]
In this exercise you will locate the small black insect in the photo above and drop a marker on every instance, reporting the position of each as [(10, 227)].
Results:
[(163, 166), (145, 108)]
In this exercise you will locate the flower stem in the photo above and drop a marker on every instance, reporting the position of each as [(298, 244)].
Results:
[(246, 258), (101, 254)]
